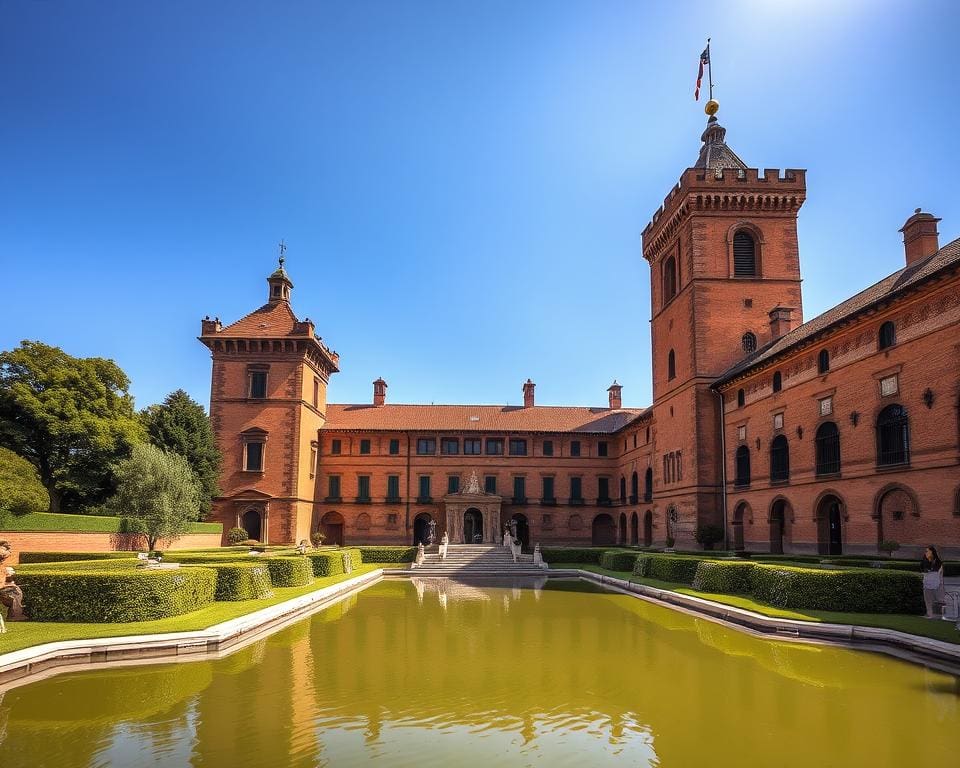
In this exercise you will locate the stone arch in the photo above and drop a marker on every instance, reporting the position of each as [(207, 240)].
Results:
[(893, 507), (521, 527), (331, 526), (421, 528), (634, 528), (603, 531), (363, 522), (622, 530), (830, 514), (750, 228), (252, 522), (780, 516), (742, 514)]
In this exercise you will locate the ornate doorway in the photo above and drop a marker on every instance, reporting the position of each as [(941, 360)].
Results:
[(421, 528), (830, 526), (522, 529), (472, 526), (251, 524)]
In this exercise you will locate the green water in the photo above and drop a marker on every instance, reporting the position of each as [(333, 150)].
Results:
[(436, 674)]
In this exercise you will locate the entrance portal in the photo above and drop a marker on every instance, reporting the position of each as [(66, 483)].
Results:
[(738, 515), (251, 524), (647, 528), (829, 526), (331, 526), (604, 530), (777, 521), (421, 528), (472, 527), (522, 530)]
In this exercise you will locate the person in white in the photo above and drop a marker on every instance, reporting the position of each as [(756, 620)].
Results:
[(443, 546), (507, 538)]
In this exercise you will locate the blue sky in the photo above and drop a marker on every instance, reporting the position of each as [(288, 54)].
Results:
[(461, 186)]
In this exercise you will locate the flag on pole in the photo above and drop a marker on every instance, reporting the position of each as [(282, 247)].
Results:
[(704, 61)]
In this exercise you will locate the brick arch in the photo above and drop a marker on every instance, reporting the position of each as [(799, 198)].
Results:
[(823, 495), (758, 239), (789, 508), (742, 514), (831, 528), (889, 525), (780, 515)]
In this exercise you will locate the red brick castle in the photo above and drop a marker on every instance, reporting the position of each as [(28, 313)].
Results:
[(828, 436)]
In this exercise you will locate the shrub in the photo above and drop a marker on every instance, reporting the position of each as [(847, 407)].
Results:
[(329, 562), (618, 560), (317, 538), (236, 536), (114, 564), (21, 492), (387, 554), (708, 535), (61, 557), (677, 568), (723, 577), (888, 546), (115, 596), (240, 581), (572, 555), (289, 571)]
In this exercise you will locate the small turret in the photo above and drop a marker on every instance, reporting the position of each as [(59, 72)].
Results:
[(279, 282)]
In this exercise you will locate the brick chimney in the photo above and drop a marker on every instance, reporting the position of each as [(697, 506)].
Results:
[(781, 321), (528, 388), (920, 236), (379, 392), (614, 393)]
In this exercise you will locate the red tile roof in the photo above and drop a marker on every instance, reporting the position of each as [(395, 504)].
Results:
[(271, 320), (480, 418)]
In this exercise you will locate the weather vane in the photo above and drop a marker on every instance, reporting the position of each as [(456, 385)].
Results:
[(283, 250)]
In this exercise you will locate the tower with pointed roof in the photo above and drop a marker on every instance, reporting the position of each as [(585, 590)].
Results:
[(725, 280), (267, 404)]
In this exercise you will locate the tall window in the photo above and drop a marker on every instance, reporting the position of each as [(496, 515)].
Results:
[(393, 487), (548, 447), (671, 365), (603, 448), (777, 381), (744, 255), (749, 342), (828, 449), (472, 446), (576, 489), (634, 487), (603, 490), (494, 446), (254, 457), (742, 476), (887, 336), (893, 436), (394, 447), (258, 384), (623, 490), (648, 485), (669, 279), (450, 446), (518, 447), (426, 446), (574, 447), (519, 490), (490, 484), (364, 447), (336, 447), (823, 361), (547, 494), (424, 495), (363, 488), (333, 488), (316, 392), (741, 398), (779, 460), (453, 484)]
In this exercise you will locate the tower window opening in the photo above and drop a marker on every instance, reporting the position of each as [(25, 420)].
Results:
[(744, 255)]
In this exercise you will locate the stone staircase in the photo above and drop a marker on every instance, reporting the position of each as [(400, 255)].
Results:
[(473, 560)]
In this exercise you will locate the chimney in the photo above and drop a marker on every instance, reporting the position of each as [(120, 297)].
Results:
[(781, 321), (379, 392), (614, 392), (920, 236), (528, 388)]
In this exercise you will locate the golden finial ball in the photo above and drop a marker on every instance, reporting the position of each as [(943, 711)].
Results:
[(711, 107)]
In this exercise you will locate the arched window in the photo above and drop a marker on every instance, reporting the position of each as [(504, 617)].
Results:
[(669, 279), (744, 255), (634, 487), (777, 381), (741, 398), (623, 489), (893, 436), (742, 476), (648, 485), (823, 361), (671, 365), (749, 342), (887, 336), (828, 449), (779, 460)]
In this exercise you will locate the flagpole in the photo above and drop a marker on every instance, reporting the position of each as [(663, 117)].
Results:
[(709, 68)]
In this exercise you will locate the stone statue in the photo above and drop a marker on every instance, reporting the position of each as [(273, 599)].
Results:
[(507, 537), (11, 596), (443, 546)]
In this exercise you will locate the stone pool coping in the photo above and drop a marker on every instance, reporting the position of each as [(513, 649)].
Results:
[(914, 648), (67, 655)]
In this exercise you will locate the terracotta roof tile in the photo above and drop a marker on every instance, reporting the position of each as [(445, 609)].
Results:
[(480, 418), (271, 320)]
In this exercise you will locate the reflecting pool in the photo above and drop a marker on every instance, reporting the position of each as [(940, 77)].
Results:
[(436, 673)]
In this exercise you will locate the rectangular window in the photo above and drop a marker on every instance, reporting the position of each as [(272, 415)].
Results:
[(547, 494), (313, 462), (575, 448), (333, 488), (603, 490), (518, 447), (519, 490), (548, 447), (426, 446), (364, 447), (316, 393), (576, 489), (634, 439), (393, 488), (336, 447), (254, 457), (494, 446), (742, 432), (472, 446), (778, 421), (394, 447), (453, 484), (889, 386), (826, 406), (602, 449), (363, 488), (424, 495), (490, 484), (258, 384), (450, 446)]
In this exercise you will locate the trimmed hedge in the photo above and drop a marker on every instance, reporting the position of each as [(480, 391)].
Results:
[(329, 562), (60, 557), (57, 521), (387, 554), (724, 577), (617, 560), (115, 596), (116, 564), (293, 571), (677, 568), (240, 581), (571, 555)]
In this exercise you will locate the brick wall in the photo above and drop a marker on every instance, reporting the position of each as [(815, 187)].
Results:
[(68, 541)]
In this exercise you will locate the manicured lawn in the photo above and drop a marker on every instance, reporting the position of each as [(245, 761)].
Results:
[(914, 625), (24, 634), (50, 521)]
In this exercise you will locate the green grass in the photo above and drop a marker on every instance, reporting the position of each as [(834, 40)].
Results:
[(51, 521), (914, 625), (27, 633)]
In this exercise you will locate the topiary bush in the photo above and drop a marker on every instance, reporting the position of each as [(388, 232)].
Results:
[(236, 536), (708, 535), (387, 554), (61, 557), (115, 564), (326, 562), (730, 578), (572, 555), (616, 560), (115, 596), (240, 581), (289, 571), (677, 568)]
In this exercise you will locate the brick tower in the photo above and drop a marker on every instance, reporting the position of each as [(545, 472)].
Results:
[(267, 402), (724, 281)]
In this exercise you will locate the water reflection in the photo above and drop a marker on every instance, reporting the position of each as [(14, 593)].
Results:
[(428, 672)]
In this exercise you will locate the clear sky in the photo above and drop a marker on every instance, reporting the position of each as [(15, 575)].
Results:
[(461, 185)]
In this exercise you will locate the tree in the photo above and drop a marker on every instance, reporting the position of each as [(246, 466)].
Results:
[(180, 424), (20, 489), (72, 418), (158, 489)]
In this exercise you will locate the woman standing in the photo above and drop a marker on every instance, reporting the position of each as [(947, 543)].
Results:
[(931, 566)]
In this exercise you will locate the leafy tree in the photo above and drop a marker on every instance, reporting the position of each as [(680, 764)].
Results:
[(20, 489), (180, 424), (72, 418), (158, 489)]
